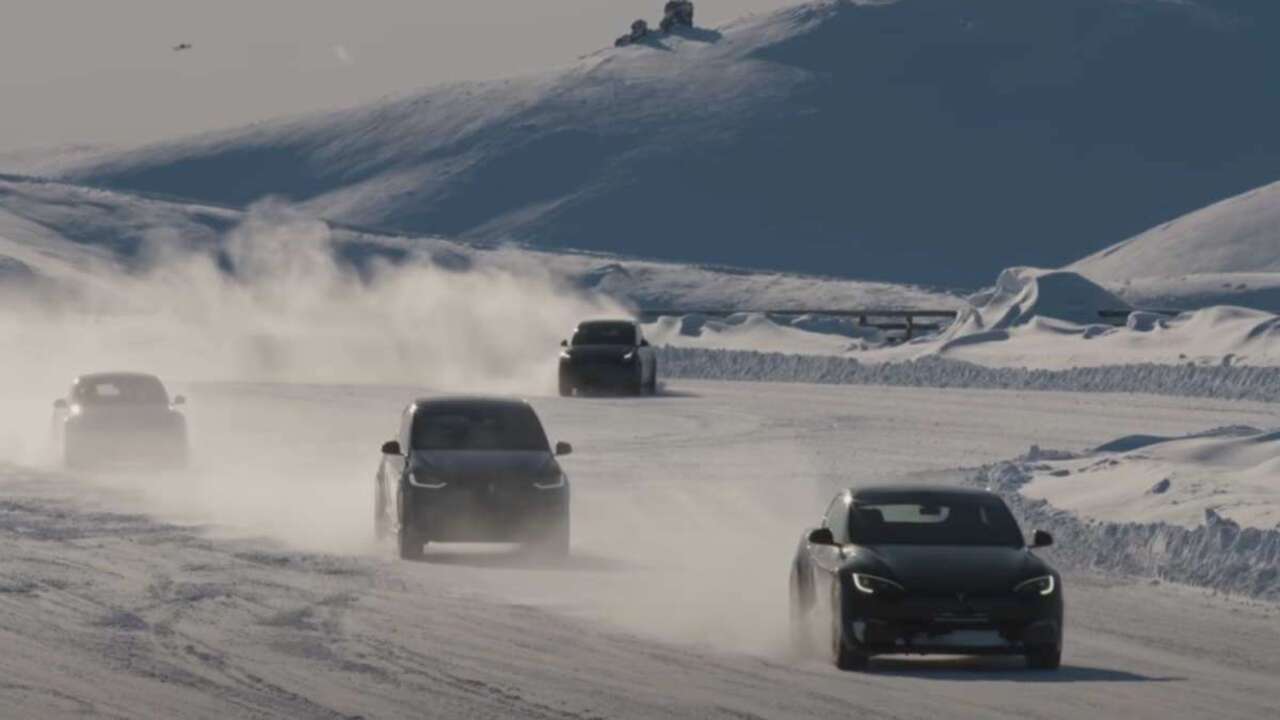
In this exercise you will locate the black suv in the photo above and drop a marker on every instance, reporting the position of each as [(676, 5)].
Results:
[(608, 355), (472, 469)]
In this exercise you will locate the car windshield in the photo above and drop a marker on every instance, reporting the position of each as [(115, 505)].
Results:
[(122, 390), (478, 427), (947, 522), (605, 334)]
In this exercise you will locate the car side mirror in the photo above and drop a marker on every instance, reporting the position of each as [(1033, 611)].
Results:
[(564, 448), (821, 536), (1041, 539), (564, 343), (180, 400), (60, 404), (391, 447), (644, 343)]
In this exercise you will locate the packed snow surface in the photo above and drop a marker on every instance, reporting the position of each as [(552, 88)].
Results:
[(930, 141), (251, 586)]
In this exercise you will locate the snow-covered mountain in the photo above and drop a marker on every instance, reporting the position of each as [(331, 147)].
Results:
[(931, 140)]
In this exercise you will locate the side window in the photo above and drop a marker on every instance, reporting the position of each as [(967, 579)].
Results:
[(837, 518)]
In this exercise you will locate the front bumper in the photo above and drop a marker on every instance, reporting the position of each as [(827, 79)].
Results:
[(485, 512), (600, 374), (980, 626)]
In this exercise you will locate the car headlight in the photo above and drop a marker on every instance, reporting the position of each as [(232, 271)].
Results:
[(551, 483), (422, 480), (872, 585), (629, 357), (1040, 586), (565, 356)]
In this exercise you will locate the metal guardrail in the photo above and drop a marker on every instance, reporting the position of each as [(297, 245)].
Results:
[(904, 319)]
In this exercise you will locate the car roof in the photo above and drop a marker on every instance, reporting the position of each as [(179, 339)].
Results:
[(911, 491), (109, 376), (474, 400), (623, 321)]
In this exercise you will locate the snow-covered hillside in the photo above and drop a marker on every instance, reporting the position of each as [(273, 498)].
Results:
[(1225, 254), (68, 236), (926, 140), (1238, 235)]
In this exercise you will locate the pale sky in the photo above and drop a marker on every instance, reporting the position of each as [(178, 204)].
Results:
[(103, 71)]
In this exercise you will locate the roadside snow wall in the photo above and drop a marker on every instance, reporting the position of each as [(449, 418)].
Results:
[(1213, 381), (1218, 554)]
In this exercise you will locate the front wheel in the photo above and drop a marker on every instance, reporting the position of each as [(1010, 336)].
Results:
[(554, 541), (845, 657), (1045, 658), (410, 544)]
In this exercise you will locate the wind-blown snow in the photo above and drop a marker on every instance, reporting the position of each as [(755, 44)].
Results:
[(925, 140)]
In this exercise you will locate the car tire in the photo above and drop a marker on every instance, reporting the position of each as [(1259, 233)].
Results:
[(844, 657), (1048, 657), (381, 523), (651, 385), (411, 545), (73, 458), (554, 541)]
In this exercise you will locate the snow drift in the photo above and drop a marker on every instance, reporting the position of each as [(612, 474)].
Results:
[(1023, 294), (928, 140)]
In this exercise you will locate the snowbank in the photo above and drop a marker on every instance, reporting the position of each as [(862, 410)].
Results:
[(1216, 381), (803, 335), (1217, 553)]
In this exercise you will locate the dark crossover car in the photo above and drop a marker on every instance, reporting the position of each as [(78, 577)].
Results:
[(111, 419), (471, 469), (608, 355), (914, 569)]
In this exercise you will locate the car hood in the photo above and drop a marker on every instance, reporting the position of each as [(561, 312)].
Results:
[(462, 465), (948, 569), (597, 352)]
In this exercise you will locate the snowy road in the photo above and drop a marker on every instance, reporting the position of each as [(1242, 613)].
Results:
[(251, 588)]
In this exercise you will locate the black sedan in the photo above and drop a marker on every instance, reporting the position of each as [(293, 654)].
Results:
[(112, 419), (913, 569), (472, 469), (608, 355)]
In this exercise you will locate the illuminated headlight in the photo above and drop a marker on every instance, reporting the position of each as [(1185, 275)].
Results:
[(1040, 586), (420, 480), (551, 483), (872, 585)]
